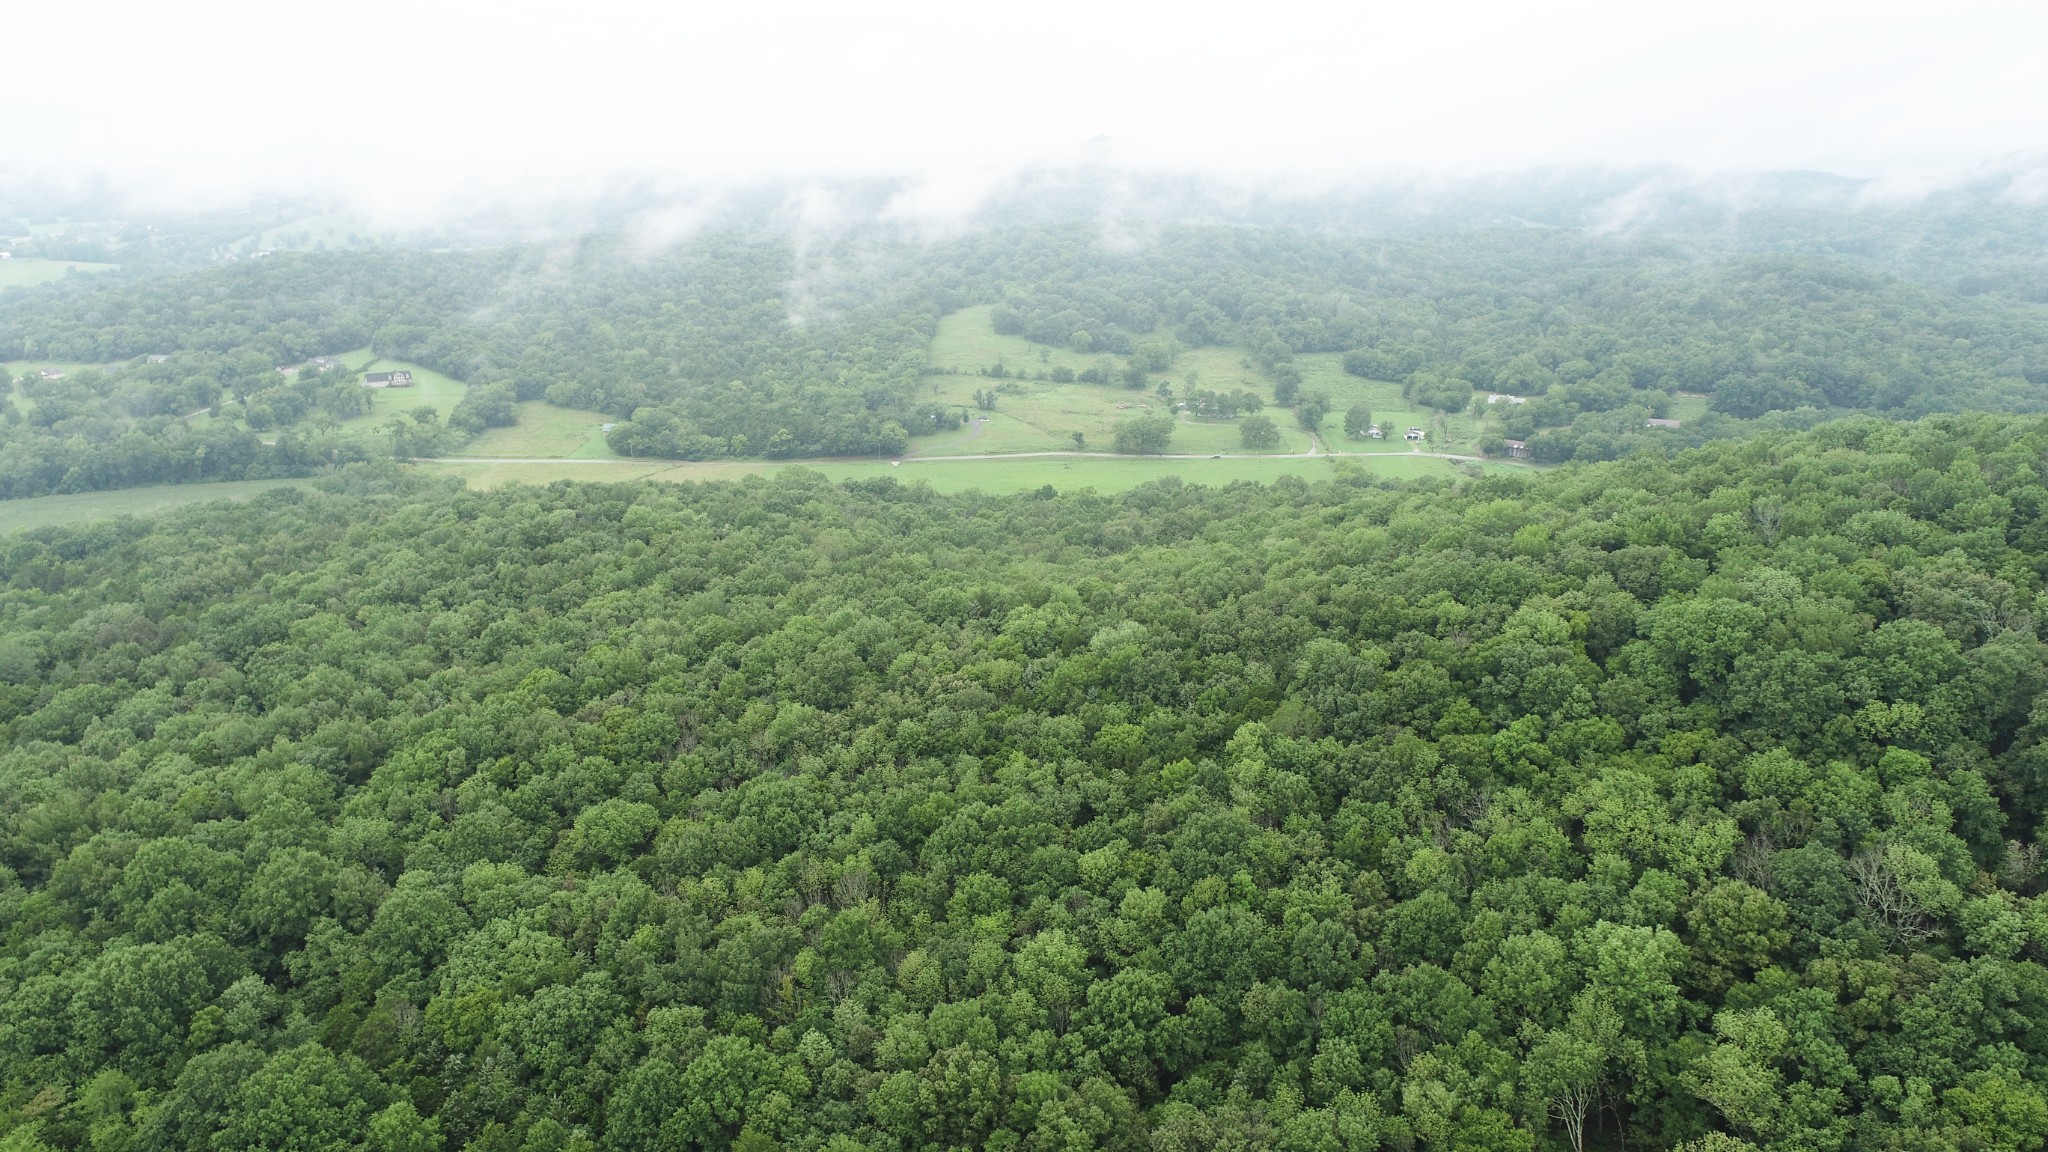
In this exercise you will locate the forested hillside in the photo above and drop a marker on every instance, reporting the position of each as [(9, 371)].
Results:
[(1661, 802), (745, 344)]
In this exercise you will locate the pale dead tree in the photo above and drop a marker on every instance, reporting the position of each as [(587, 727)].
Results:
[(1769, 518), (852, 887), (1477, 808), (1408, 1044), (1569, 1107), (1752, 862), (2021, 865), (1881, 893)]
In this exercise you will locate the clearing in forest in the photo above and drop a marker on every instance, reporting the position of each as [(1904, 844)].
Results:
[(19, 272)]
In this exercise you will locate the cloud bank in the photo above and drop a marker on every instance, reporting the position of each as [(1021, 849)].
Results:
[(403, 106)]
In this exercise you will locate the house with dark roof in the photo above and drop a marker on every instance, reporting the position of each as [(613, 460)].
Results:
[(399, 379)]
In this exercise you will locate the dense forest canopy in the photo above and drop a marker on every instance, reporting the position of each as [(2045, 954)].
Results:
[(1688, 800)]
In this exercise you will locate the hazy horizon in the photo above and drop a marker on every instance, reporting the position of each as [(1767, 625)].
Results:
[(398, 110)]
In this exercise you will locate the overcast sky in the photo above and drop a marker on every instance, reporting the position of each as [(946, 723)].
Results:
[(419, 99)]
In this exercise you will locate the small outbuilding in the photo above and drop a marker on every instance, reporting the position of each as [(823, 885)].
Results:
[(1656, 422), (1519, 449)]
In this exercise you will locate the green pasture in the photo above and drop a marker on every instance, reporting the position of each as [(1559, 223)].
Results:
[(1040, 416), (545, 430), (966, 342), (331, 230), (1109, 473), (1448, 432), (22, 273), (1102, 473), (81, 507), (1219, 370)]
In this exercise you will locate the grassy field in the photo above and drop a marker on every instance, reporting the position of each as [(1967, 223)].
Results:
[(1688, 408), (1447, 432), (1104, 474), (331, 230), (20, 273), (16, 369), (545, 430), (429, 388), (966, 343), (81, 507), (1039, 415)]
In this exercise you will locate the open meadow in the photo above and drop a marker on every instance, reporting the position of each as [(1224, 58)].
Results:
[(1104, 474), (545, 430), (1447, 432), (1034, 415), (82, 507), (24, 273)]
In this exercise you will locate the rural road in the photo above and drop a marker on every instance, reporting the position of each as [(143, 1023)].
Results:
[(1311, 454)]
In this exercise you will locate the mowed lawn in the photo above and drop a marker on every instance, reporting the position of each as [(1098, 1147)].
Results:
[(545, 430), (429, 389), (21, 273), (82, 507)]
